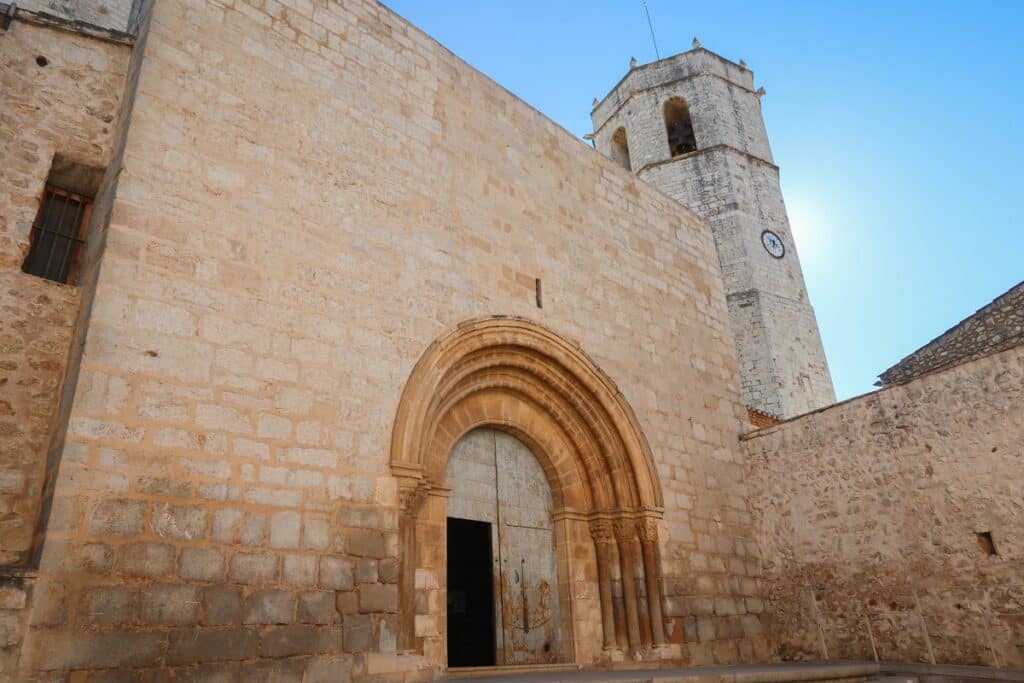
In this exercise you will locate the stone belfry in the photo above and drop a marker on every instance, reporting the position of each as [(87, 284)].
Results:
[(691, 126)]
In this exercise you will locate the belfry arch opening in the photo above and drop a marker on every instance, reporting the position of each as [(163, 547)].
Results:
[(561, 430), (620, 149), (679, 127)]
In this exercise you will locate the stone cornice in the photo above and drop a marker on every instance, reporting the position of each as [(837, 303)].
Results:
[(659, 86), (53, 21), (713, 148)]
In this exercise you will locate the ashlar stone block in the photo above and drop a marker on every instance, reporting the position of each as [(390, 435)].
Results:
[(270, 607)]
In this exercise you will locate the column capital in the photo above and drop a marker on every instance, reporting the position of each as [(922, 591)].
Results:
[(625, 530), (601, 531), (647, 528), (411, 497)]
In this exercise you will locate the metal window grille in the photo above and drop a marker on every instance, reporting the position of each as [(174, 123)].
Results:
[(56, 238)]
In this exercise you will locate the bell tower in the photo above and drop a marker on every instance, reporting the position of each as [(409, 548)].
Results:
[(691, 126)]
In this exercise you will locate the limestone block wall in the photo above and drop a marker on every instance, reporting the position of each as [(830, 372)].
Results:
[(804, 379), (899, 511), (110, 14), (312, 195), (742, 197), (67, 107)]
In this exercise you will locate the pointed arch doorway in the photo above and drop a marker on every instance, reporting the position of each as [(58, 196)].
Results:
[(520, 378), (502, 579)]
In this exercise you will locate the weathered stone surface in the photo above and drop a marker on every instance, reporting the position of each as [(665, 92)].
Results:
[(300, 570), (270, 607), (117, 517), (108, 605), (201, 564), (366, 571), (316, 532), (253, 568), (111, 14), (367, 543), (285, 530), (168, 604), (277, 671), (238, 526), (317, 607), (58, 651), (222, 605), (145, 559), (65, 108), (880, 499), (375, 597), (286, 641), (327, 669), (49, 605), (220, 672), (190, 646), (10, 629), (178, 521), (13, 597), (347, 602), (388, 571), (357, 633), (337, 573)]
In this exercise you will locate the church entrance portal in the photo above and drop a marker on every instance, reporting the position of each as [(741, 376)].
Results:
[(505, 423), (502, 573)]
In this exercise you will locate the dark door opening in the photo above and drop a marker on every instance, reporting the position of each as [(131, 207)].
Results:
[(470, 594)]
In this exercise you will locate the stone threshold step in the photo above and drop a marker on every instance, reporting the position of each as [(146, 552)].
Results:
[(762, 673), (950, 673), (496, 672)]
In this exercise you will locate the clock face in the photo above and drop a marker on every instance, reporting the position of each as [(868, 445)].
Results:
[(773, 244)]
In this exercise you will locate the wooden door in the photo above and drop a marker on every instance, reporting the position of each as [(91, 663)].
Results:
[(496, 479)]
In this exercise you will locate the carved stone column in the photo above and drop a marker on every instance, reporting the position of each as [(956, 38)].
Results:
[(647, 529), (625, 534), (411, 500), (601, 532)]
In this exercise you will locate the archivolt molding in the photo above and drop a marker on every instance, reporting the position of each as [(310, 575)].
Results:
[(520, 376)]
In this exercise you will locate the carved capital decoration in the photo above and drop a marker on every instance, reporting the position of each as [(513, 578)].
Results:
[(647, 528), (625, 530), (411, 498), (601, 531)]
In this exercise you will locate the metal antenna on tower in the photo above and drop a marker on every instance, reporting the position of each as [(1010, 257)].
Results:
[(651, 26)]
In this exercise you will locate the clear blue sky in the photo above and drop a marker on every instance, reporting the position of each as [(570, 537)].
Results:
[(898, 126)]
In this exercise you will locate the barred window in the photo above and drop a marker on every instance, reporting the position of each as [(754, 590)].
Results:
[(57, 235)]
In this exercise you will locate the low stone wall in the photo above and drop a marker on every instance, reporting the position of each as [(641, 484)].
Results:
[(892, 523)]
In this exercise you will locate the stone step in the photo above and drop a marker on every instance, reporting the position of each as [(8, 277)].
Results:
[(805, 672)]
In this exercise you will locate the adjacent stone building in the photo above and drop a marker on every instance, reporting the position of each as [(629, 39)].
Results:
[(891, 524), (997, 326), (323, 357)]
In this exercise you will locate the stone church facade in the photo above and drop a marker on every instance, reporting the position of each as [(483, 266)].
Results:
[(297, 307)]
